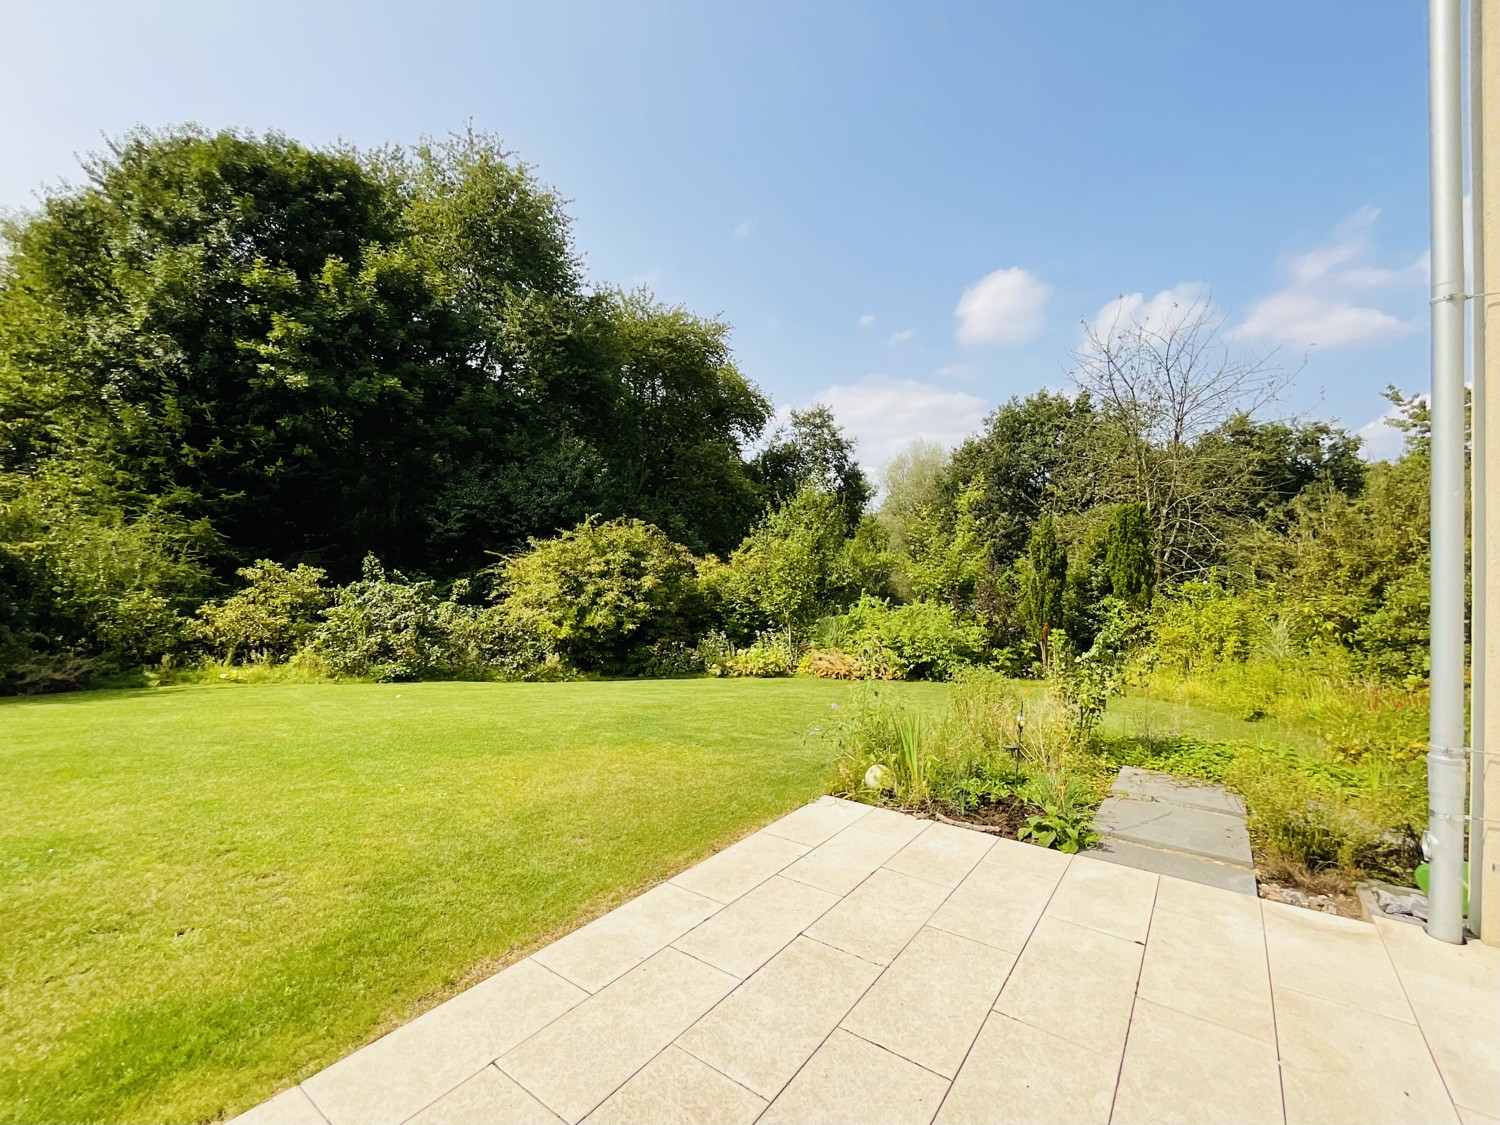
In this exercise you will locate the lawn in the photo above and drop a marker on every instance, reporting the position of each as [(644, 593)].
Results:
[(211, 892)]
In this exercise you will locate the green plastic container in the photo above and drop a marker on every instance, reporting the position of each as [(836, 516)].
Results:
[(1422, 873)]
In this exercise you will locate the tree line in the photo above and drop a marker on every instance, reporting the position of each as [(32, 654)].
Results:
[(241, 377)]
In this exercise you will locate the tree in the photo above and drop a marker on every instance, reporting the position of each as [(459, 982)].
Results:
[(1163, 387), (231, 324), (911, 482), (790, 570), (1030, 448), (811, 451), (1044, 585), (682, 417), (1287, 457), (1127, 556)]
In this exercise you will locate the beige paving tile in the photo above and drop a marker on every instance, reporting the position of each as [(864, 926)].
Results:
[(577, 1061), (878, 919), (849, 1080), (755, 927), (845, 861), (1076, 982), (488, 1097), (771, 1024), (889, 822), (611, 946), (1341, 1063), (813, 824), (1105, 896), (1444, 985), (1439, 977), (1180, 1070), (290, 1107), (1474, 1117), (1209, 969), (997, 905), (675, 1087), (1226, 907), (1023, 1076), (1467, 1052), (404, 1072), (932, 1001), (942, 854), (740, 867), (1336, 958), (1028, 859)]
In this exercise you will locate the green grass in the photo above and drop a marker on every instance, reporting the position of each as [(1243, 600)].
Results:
[(210, 892), (1139, 715)]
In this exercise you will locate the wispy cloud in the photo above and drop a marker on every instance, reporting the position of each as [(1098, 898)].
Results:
[(1004, 307), (867, 320), (1158, 313), (962, 371), (1328, 300), (884, 415), (743, 229), (901, 337)]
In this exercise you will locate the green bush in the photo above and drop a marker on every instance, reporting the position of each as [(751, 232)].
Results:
[(273, 616), (87, 584), (928, 640), (597, 594), (1205, 623), (387, 628), (770, 655), (666, 659)]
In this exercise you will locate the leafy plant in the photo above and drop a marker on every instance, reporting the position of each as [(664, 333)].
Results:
[(273, 615), (926, 638), (770, 655), (1060, 828), (828, 665), (386, 628)]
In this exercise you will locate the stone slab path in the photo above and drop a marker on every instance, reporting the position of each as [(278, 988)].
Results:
[(1155, 822), (849, 964)]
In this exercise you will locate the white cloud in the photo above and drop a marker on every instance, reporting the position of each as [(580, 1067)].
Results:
[(743, 229), (1382, 441), (1326, 302), (901, 337), (1004, 307), (964, 371), (867, 320), (1158, 314), (885, 414)]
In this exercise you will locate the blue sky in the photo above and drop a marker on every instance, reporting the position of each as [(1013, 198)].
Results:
[(840, 181)]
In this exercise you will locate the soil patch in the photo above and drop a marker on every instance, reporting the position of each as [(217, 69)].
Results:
[(1004, 817)]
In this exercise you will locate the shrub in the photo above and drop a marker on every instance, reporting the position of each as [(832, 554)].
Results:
[(833, 665), (666, 659), (387, 628), (770, 655), (1205, 623), (715, 652), (596, 594), (274, 615), (926, 639), (87, 583)]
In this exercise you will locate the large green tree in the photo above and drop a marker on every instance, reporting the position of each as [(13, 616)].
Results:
[(232, 324), (811, 451), (1029, 449), (326, 354)]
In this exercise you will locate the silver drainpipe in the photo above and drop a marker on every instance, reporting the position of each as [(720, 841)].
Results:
[(1446, 765)]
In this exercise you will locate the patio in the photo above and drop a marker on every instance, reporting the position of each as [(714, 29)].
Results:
[(849, 964)]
